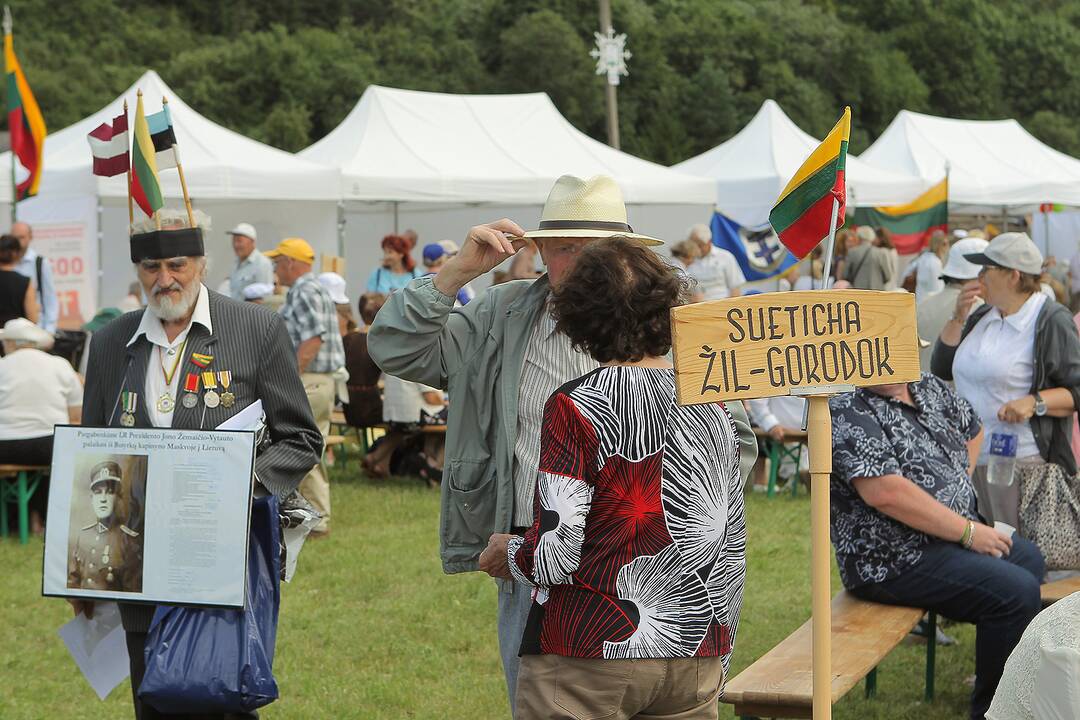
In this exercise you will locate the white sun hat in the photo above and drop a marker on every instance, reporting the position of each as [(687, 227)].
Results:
[(591, 208)]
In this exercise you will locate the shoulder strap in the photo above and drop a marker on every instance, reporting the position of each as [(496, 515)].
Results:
[(41, 292)]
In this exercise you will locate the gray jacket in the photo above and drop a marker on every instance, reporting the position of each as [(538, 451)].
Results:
[(476, 353), (1057, 364), (248, 340)]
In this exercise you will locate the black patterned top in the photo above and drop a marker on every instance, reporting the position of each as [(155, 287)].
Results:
[(927, 444), (638, 547)]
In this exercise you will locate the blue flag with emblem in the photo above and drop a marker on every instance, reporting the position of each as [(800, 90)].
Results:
[(759, 251)]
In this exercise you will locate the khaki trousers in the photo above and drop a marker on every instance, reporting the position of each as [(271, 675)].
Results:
[(553, 687), (315, 486)]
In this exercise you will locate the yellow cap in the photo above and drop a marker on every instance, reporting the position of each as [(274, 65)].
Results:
[(295, 248)]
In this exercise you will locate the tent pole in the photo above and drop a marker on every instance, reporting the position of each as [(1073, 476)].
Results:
[(395, 217), (341, 228), (1004, 219), (101, 250)]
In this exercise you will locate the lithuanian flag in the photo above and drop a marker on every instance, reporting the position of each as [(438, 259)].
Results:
[(804, 212), (25, 123), (145, 188), (911, 225)]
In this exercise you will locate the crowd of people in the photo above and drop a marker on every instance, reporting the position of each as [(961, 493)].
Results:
[(610, 516)]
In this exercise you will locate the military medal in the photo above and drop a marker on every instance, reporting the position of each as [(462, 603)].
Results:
[(166, 403), (227, 398), (191, 391), (211, 399), (127, 417)]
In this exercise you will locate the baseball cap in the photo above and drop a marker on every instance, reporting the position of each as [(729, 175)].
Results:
[(335, 286), (1012, 250), (432, 252), (955, 264), (245, 229), (450, 247), (295, 248)]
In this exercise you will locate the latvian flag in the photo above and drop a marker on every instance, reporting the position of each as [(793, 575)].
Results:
[(109, 145), (161, 132)]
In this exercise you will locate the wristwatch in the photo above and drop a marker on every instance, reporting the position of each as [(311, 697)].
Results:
[(1040, 405)]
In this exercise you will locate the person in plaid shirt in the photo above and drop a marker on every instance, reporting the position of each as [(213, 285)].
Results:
[(311, 319)]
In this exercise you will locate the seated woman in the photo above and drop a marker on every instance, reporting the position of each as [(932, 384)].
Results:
[(904, 521), (37, 391), (637, 550), (406, 407)]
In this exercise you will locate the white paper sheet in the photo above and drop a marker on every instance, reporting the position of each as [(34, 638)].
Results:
[(247, 419), (98, 647)]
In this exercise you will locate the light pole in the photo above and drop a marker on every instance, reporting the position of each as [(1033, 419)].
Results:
[(611, 56)]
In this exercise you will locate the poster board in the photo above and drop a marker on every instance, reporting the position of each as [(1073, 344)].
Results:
[(773, 343), (153, 515)]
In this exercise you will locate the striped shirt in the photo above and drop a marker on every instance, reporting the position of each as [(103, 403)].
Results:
[(550, 362)]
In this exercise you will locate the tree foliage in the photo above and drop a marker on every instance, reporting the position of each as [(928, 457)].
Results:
[(286, 72)]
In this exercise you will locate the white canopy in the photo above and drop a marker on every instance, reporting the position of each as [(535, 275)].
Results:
[(80, 220), (751, 169), (991, 162), (410, 146), (219, 164)]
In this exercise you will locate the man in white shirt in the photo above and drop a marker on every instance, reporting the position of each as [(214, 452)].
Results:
[(43, 283), (717, 271), (251, 265), (191, 360)]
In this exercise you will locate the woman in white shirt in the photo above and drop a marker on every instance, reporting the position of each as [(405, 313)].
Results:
[(37, 392), (1016, 359)]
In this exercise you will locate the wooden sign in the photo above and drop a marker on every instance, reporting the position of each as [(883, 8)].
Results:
[(769, 344)]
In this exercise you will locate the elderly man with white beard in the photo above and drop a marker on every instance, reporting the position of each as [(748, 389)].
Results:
[(190, 360)]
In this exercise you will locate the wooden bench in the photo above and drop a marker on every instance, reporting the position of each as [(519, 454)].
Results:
[(17, 486), (777, 452), (779, 684), (1054, 591)]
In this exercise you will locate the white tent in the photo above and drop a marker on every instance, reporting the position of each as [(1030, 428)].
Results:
[(751, 169), (992, 163), (439, 163), (231, 177)]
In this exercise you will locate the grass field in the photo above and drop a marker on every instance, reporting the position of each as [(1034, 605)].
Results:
[(371, 628)]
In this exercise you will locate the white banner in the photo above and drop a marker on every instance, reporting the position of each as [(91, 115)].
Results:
[(67, 247)]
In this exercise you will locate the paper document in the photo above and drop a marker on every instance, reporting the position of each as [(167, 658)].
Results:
[(250, 418), (98, 647)]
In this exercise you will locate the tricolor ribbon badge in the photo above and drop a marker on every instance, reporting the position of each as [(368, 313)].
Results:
[(201, 360)]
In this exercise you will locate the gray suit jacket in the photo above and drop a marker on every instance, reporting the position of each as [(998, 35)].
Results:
[(248, 340)]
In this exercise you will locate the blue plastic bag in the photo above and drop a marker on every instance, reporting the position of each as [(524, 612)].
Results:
[(201, 660)]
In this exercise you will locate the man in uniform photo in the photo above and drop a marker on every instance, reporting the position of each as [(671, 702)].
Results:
[(107, 553)]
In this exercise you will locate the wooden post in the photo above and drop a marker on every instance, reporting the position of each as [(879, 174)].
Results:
[(820, 442), (610, 91), (131, 202), (183, 186)]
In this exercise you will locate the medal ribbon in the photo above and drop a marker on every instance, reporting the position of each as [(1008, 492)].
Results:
[(209, 380), (169, 375), (129, 399), (225, 376), (191, 383), (201, 360)]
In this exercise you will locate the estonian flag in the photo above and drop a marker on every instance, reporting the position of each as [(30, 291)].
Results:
[(759, 251)]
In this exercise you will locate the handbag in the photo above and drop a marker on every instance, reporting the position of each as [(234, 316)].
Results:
[(201, 660), (1050, 513)]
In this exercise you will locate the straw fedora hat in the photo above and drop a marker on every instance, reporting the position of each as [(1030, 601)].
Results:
[(592, 208)]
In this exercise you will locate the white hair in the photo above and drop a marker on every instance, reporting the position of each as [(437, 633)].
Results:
[(701, 233), (171, 219)]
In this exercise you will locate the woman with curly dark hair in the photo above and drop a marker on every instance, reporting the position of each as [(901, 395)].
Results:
[(638, 547)]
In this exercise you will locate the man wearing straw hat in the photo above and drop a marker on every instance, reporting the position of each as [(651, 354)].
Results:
[(500, 358)]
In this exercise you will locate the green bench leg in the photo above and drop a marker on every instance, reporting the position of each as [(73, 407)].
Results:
[(931, 654), (871, 683), (774, 466), (4, 492)]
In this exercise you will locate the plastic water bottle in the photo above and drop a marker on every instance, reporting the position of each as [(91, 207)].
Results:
[(1002, 462)]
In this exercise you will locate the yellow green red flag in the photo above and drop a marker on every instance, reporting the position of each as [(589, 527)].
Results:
[(912, 224), (804, 211), (25, 123), (145, 187)]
